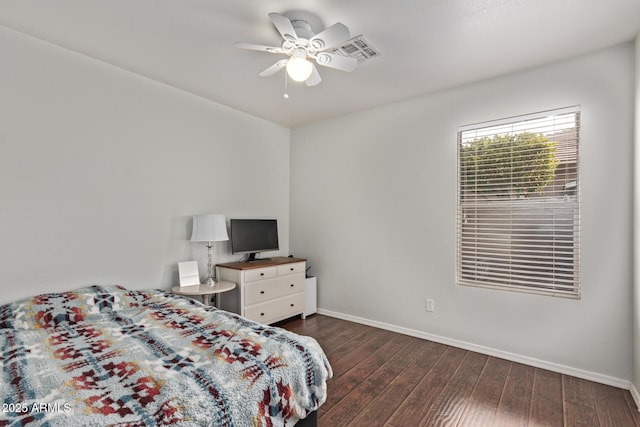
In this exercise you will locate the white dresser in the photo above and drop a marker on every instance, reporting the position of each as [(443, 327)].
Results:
[(267, 291)]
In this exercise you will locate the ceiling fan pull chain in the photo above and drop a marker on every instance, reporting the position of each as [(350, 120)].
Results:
[(286, 89)]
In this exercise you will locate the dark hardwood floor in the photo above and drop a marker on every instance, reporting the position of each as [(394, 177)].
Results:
[(382, 378)]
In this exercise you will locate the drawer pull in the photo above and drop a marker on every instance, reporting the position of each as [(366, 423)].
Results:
[(292, 285), (262, 274), (292, 269), (261, 314), (291, 305), (262, 292)]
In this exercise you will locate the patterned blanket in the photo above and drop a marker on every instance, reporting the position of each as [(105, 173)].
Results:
[(111, 356)]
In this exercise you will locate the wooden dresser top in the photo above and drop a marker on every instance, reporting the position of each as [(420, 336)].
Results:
[(259, 263)]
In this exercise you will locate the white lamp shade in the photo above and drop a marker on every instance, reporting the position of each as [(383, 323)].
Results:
[(299, 69), (209, 228)]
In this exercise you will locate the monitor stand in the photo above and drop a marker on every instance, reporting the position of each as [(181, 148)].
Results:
[(252, 257)]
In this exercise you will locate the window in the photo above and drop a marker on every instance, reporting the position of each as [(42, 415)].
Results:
[(518, 223)]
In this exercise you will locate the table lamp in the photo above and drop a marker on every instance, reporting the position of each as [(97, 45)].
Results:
[(209, 228)]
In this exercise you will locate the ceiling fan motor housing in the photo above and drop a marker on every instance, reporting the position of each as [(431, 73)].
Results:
[(303, 29)]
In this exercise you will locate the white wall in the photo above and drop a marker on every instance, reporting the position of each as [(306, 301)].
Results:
[(101, 170), (373, 206), (636, 231)]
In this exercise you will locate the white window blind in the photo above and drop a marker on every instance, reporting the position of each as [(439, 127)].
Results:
[(518, 223)]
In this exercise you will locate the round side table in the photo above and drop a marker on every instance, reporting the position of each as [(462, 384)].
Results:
[(203, 290)]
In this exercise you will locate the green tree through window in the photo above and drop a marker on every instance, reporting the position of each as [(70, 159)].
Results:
[(520, 164)]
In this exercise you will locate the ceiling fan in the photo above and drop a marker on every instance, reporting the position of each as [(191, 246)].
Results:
[(301, 45)]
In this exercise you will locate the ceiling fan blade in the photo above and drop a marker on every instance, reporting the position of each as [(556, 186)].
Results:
[(269, 71), (284, 26), (251, 46), (330, 37), (339, 62), (314, 79)]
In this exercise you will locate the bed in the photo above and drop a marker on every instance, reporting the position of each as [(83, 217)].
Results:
[(105, 355)]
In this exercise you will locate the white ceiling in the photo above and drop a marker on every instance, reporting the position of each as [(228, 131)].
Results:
[(426, 45)]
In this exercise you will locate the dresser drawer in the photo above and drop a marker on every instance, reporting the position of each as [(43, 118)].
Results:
[(260, 274), (265, 290), (297, 267), (280, 308)]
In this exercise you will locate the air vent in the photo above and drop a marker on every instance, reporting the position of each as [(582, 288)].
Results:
[(359, 48)]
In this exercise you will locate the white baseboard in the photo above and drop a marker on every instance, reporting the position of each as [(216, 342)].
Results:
[(551, 366), (635, 395)]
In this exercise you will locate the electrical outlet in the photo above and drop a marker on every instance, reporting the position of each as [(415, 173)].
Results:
[(430, 305)]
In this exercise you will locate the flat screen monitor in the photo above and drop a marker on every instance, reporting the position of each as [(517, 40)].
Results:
[(253, 235)]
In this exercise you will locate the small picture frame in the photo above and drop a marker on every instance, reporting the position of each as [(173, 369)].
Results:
[(188, 273)]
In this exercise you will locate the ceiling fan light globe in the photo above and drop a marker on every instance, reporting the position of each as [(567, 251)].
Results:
[(299, 69)]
